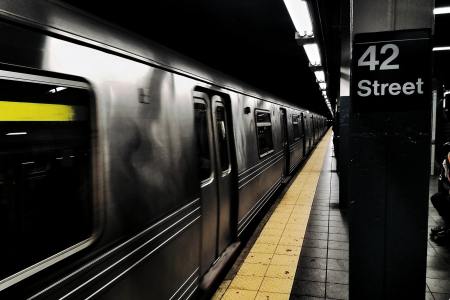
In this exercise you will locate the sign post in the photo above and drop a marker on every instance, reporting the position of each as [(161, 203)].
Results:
[(389, 164)]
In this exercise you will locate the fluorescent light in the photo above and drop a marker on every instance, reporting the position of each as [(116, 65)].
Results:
[(299, 12), (444, 48), (324, 93), (320, 75), (441, 10), (17, 133), (57, 89), (323, 85), (312, 51)]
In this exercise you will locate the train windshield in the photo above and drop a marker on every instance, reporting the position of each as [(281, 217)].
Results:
[(45, 172)]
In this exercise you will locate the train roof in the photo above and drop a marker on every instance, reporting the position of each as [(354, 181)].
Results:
[(74, 24)]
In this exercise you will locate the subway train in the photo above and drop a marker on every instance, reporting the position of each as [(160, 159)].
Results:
[(127, 171)]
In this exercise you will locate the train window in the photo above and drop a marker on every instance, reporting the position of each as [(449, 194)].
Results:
[(222, 138), (201, 129), (264, 132), (46, 204), (295, 126)]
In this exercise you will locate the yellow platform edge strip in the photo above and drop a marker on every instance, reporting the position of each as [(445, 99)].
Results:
[(269, 269), (28, 111)]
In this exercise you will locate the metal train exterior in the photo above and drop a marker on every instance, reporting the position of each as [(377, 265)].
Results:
[(127, 171)]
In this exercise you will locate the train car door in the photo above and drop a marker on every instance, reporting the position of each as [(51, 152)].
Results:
[(223, 171), (310, 133), (303, 131), (213, 146), (285, 140), (307, 132)]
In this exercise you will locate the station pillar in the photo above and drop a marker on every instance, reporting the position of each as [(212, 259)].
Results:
[(389, 147)]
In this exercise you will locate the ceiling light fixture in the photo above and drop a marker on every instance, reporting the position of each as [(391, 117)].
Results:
[(301, 18), (440, 10), (443, 48), (299, 13), (320, 76), (313, 53)]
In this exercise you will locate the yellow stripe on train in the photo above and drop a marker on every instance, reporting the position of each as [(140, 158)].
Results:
[(27, 111)]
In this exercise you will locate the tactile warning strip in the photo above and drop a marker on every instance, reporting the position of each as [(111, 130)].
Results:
[(268, 270)]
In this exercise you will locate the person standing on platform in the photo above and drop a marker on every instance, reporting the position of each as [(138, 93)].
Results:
[(441, 200)]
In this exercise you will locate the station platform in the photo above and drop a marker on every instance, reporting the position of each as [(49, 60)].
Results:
[(300, 249)]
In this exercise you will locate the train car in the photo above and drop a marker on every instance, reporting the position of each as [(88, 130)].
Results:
[(127, 170)]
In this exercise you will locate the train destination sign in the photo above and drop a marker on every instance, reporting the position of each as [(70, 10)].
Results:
[(391, 71)]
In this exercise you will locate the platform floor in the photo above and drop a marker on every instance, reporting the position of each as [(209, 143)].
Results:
[(300, 248)]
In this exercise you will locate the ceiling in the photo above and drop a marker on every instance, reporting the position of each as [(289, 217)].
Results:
[(251, 40), (441, 59)]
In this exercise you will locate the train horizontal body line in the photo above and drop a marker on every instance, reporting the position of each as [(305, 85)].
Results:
[(127, 171)]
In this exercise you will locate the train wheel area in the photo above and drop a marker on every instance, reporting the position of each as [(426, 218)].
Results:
[(301, 246)]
